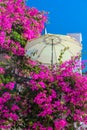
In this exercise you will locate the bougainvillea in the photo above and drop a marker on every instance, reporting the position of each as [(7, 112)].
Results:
[(33, 96), (8, 107), (18, 23)]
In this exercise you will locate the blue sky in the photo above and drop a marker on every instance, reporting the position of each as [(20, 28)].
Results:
[(65, 16)]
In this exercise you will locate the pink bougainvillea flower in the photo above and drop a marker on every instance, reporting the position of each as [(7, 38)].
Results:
[(2, 71), (60, 124), (10, 85)]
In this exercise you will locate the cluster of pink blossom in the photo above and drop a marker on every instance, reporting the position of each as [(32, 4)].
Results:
[(8, 106), (2, 71), (33, 96), (18, 23), (51, 99)]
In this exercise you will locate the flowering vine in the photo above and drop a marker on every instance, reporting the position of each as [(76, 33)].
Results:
[(18, 23), (33, 96)]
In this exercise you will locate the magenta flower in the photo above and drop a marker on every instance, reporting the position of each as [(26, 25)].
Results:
[(10, 85), (2, 71), (14, 108), (49, 128), (6, 96), (42, 85), (60, 124), (13, 116)]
